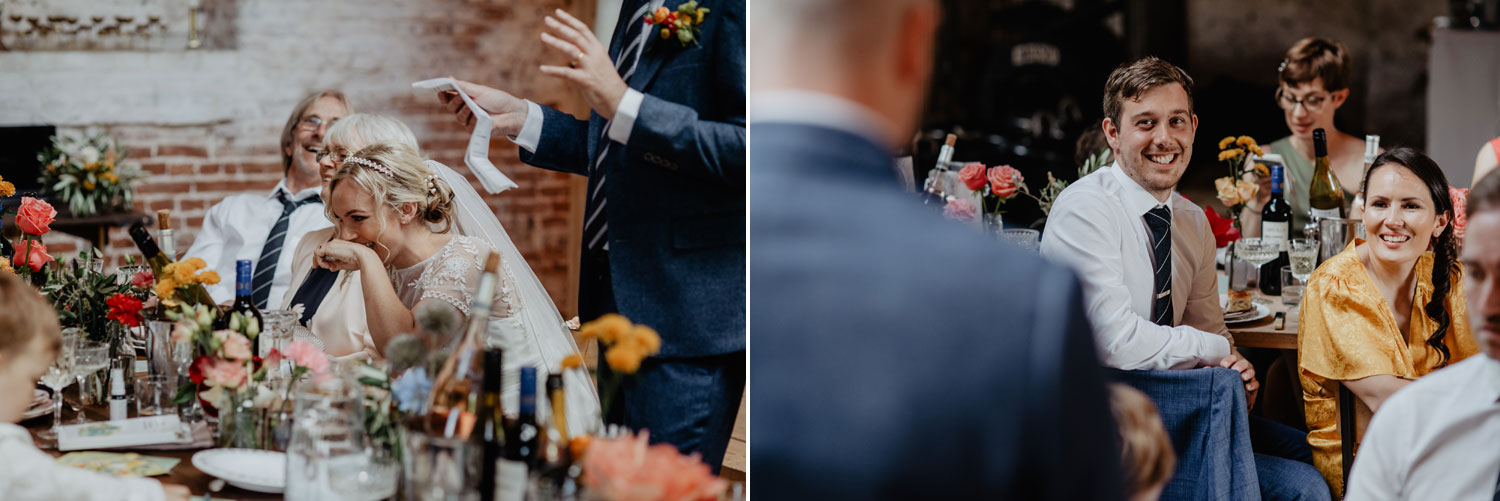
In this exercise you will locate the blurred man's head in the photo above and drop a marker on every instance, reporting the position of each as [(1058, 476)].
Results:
[(1481, 258), (878, 53), (1149, 122)]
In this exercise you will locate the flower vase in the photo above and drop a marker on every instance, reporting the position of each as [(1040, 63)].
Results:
[(994, 223), (1239, 276), (240, 424)]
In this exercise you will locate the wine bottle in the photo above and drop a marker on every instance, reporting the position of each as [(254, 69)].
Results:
[(450, 410), (1275, 222), (932, 187), (164, 233), (244, 304), (555, 459), (491, 434), (193, 294), (521, 433), (1325, 196), (1372, 150)]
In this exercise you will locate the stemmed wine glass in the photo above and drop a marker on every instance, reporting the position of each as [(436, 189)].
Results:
[(89, 357), (1257, 251), (57, 377), (1304, 254)]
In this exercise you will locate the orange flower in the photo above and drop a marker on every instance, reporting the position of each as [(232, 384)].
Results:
[(624, 358), (606, 329), (572, 361), (5, 265), (666, 33), (209, 277), (660, 14), (166, 287), (6, 189)]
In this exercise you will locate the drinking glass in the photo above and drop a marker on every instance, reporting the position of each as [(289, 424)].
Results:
[(276, 330), (1292, 285), (89, 357), (57, 377), (153, 395), (1304, 257), (327, 434), (1257, 251), (1025, 238)]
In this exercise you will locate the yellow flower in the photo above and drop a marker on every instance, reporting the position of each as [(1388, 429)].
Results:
[(1261, 170), (209, 277), (165, 287), (625, 359), (195, 263), (666, 33), (606, 329), (91, 166), (1224, 143), (88, 185), (646, 338), (1231, 154), (1256, 150), (572, 361), (6, 189), (111, 177), (660, 14), (5, 265), (180, 272), (701, 12), (1245, 141)]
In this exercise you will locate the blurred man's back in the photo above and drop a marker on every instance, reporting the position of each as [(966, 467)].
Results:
[(896, 355)]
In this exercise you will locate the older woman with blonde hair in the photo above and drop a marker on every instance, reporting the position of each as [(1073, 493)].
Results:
[(395, 217)]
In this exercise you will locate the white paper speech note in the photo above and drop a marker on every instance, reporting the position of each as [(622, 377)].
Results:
[(478, 155)]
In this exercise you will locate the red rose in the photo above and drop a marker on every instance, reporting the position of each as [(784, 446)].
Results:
[(1004, 180), (972, 175), (32, 253), (144, 279), (1460, 197), (35, 216)]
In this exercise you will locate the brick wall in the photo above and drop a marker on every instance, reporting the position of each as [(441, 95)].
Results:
[(205, 124)]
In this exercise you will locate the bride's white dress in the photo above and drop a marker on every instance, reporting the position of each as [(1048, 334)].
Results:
[(523, 320)]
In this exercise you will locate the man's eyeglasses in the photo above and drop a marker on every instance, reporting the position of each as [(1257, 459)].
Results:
[(1312, 104), (337, 156), (314, 122)]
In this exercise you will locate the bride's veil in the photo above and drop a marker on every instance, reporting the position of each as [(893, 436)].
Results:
[(472, 217)]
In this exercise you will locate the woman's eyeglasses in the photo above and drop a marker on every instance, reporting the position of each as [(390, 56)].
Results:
[(1312, 104)]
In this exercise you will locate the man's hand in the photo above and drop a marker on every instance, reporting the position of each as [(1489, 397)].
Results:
[(1247, 374), (507, 112), (589, 68)]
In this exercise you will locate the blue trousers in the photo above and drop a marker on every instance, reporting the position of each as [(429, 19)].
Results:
[(1283, 462)]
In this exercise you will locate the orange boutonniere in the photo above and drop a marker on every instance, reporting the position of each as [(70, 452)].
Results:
[(683, 24)]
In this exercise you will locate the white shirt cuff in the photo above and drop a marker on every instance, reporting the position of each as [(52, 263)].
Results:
[(531, 130), (630, 107)]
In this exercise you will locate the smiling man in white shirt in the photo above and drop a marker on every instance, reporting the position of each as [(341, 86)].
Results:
[(1146, 257), (259, 227), (1439, 438)]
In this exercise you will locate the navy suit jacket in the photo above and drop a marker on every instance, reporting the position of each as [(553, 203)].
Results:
[(676, 191), (902, 356)]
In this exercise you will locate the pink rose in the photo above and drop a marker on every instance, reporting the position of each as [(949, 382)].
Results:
[(960, 210), (31, 253), (235, 346), (305, 354), (626, 468), (143, 280), (1004, 180), (972, 175), (34, 216), (1460, 197), (220, 372)]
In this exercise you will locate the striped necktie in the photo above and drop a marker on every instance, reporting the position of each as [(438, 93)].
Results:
[(595, 228), (265, 267), (1159, 220)]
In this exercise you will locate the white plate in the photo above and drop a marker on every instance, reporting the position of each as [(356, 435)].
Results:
[(1261, 311), (249, 469)]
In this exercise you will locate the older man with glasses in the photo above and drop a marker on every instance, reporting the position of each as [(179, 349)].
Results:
[(258, 227)]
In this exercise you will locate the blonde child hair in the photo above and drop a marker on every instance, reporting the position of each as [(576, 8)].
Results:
[(1145, 449)]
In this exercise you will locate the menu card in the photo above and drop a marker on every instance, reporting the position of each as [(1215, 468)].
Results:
[(123, 433)]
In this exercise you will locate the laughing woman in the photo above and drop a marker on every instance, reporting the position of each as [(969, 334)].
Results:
[(393, 214), (1383, 312)]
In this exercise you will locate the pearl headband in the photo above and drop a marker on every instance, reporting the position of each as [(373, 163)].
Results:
[(373, 165)]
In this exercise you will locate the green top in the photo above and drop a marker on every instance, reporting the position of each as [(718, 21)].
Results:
[(1300, 170)]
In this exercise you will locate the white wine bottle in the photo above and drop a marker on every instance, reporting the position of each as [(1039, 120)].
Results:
[(1325, 196), (164, 234)]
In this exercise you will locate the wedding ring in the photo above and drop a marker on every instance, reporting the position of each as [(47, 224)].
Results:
[(576, 57)]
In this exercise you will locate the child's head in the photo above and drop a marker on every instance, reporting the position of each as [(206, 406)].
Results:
[(1145, 450), (29, 340)]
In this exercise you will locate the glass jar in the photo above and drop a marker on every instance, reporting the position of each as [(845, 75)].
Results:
[(328, 435)]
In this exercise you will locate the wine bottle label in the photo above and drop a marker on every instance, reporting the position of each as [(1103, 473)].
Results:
[(1324, 213), (1274, 231)]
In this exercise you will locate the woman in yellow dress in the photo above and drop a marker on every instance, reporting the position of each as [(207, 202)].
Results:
[(1386, 311)]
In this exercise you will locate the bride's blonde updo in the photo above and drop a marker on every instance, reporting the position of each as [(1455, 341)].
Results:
[(395, 175)]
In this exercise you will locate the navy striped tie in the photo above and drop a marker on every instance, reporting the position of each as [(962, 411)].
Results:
[(595, 226), (1159, 220), (265, 267)]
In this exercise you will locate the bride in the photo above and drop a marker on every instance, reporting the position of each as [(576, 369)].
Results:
[(393, 214)]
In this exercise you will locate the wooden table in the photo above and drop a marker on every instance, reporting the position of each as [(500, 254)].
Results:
[(1263, 333), (184, 473)]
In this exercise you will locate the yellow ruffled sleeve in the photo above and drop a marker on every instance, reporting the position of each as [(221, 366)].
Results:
[(1344, 329)]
